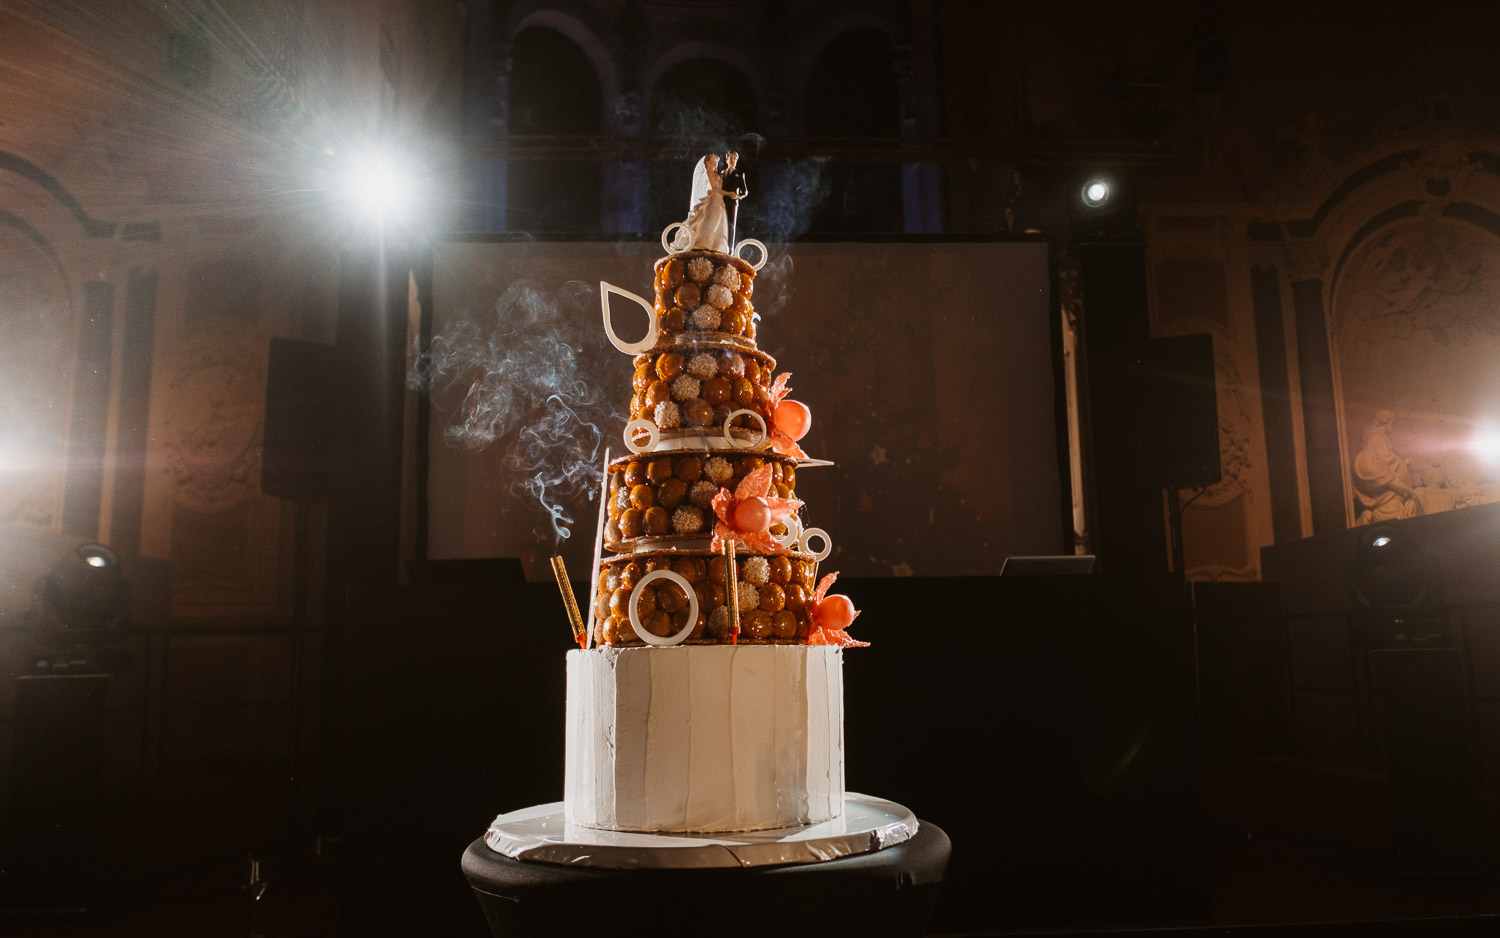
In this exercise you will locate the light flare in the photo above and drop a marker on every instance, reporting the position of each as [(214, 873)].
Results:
[(381, 186), (1485, 443)]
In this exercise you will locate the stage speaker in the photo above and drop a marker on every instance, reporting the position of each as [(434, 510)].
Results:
[(1435, 824), (1179, 409), (305, 422), (49, 848)]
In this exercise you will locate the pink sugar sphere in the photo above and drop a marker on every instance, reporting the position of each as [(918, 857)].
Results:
[(752, 514), (836, 611), (793, 418)]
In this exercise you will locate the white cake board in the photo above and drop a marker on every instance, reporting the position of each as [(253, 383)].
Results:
[(541, 834)]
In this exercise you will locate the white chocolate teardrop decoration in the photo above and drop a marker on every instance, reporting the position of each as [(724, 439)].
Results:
[(635, 617), (629, 348), (734, 441)]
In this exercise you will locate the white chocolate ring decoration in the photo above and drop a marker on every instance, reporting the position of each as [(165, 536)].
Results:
[(635, 616), (733, 440), (764, 254), (666, 241), (808, 535), (793, 535), (652, 333), (639, 424)]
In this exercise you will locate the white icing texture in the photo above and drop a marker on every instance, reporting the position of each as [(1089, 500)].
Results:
[(704, 737)]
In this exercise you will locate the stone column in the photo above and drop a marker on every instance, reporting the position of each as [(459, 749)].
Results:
[(1320, 424), (88, 429), (132, 438), (1276, 402)]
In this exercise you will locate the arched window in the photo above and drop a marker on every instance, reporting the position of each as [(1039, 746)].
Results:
[(851, 92), (699, 99), (554, 89)]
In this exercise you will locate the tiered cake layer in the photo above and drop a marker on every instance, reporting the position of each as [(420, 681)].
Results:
[(704, 737), (712, 699), (706, 293), (774, 593)]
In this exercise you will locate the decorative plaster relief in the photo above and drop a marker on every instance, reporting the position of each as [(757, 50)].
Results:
[(1382, 479), (213, 427), (1433, 277), (1415, 332), (1303, 166), (1235, 425), (1216, 540)]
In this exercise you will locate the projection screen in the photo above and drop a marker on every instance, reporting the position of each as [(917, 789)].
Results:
[(929, 368)]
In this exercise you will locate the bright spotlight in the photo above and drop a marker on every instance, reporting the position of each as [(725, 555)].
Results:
[(380, 187), (1486, 442), (1095, 193), (1380, 541)]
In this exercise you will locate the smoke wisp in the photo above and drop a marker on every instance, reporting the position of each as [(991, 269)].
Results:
[(525, 369)]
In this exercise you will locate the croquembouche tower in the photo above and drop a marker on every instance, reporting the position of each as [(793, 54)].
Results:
[(707, 694)]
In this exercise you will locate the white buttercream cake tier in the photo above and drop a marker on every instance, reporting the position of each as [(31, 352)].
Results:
[(696, 738)]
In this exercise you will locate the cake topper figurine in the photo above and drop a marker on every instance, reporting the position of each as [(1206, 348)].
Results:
[(735, 188), (706, 227)]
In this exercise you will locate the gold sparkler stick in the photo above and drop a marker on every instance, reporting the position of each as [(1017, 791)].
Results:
[(574, 619), (598, 549), (731, 590)]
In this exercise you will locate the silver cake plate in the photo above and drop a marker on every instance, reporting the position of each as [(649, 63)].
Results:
[(542, 835)]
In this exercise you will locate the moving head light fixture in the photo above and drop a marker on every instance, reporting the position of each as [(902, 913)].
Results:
[(85, 598), (1396, 589)]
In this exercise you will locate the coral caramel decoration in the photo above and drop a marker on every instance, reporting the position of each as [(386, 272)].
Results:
[(746, 516), (790, 420), (830, 617)]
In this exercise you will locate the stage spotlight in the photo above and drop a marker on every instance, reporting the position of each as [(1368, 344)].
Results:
[(85, 598), (380, 187), (1485, 443), (1095, 193)]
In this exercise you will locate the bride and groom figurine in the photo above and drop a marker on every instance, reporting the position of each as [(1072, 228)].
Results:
[(713, 215), (710, 226)]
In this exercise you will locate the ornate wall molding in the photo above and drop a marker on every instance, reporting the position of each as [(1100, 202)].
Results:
[(1306, 181), (1441, 174)]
